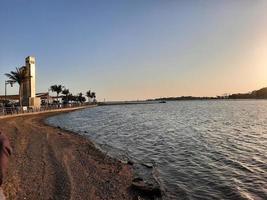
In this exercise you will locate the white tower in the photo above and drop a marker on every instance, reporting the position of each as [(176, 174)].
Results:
[(29, 98)]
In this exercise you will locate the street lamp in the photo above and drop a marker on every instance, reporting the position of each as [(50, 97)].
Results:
[(6, 83)]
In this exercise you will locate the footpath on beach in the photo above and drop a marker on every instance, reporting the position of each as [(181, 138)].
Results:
[(50, 163)]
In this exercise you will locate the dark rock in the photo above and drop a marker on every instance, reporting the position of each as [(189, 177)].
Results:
[(148, 165), (129, 162), (146, 188), (137, 179)]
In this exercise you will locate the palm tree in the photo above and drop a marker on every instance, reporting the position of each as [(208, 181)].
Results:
[(57, 88), (19, 76), (80, 98), (89, 95), (93, 95), (66, 92)]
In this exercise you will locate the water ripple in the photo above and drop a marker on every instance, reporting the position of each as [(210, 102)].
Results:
[(202, 149)]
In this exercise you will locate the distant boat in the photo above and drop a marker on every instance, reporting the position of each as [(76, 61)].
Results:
[(162, 102)]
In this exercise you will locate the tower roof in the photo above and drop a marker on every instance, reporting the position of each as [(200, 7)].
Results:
[(30, 58)]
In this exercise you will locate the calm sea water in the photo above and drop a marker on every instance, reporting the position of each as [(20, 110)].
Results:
[(201, 149)]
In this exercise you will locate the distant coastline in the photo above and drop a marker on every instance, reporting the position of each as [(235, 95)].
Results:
[(256, 94)]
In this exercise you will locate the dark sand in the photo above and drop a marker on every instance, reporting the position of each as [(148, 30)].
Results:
[(49, 163)]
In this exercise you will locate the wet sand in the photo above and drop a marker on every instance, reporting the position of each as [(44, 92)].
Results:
[(50, 163)]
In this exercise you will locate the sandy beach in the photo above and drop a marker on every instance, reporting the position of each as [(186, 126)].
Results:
[(50, 163)]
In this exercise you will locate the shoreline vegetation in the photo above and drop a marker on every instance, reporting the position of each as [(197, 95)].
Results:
[(52, 163)]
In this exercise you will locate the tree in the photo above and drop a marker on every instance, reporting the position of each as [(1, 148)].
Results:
[(66, 92), (57, 88), (19, 76), (93, 95), (80, 98)]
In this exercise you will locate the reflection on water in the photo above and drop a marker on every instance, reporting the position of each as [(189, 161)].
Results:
[(202, 149)]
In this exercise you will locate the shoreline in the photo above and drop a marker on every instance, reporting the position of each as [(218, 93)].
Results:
[(52, 163)]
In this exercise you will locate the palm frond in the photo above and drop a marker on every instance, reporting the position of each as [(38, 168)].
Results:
[(19, 75)]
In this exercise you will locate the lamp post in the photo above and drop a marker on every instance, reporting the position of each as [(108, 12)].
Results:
[(48, 97), (6, 83)]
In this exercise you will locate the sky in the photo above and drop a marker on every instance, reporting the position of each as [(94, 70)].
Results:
[(137, 49)]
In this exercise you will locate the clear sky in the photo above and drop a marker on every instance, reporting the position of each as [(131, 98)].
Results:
[(138, 49)]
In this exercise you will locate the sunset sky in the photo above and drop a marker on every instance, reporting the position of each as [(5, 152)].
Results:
[(138, 49)]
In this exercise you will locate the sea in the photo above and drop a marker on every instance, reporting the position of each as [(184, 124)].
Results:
[(210, 149)]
